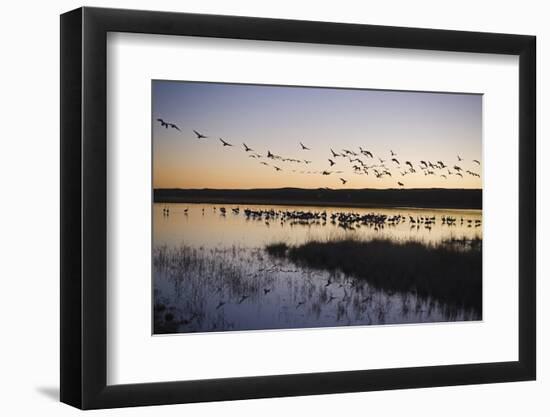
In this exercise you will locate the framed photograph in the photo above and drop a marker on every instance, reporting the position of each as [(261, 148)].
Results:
[(257, 208)]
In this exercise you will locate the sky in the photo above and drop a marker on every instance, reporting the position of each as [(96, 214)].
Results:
[(415, 126)]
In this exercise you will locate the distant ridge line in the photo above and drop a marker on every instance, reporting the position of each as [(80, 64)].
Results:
[(368, 197)]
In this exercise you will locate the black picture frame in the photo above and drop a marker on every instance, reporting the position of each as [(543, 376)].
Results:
[(84, 207)]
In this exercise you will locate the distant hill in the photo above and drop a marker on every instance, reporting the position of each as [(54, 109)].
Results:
[(419, 197)]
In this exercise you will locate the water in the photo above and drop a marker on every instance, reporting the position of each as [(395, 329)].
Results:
[(212, 272)]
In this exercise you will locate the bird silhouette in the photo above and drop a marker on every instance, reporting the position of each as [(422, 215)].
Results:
[(277, 168), (244, 297), (220, 305), (459, 158), (225, 143), (246, 148), (304, 147), (199, 135), (400, 184), (162, 123), (167, 125), (343, 181), (331, 162), (395, 160), (477, 162), (334, 154)]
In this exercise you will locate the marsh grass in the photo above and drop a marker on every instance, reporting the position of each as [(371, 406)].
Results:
[(449, 272)]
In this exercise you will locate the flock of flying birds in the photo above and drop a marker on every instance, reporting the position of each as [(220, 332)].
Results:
[(361, 162)]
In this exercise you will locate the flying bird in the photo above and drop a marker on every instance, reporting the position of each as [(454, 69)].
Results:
[(277, 168), (246, 148), (304, 147), (163, 123), (167, 124), (343, 181), (225, 143), (395, 160), (477, 162), (459, 158), (334, 154), (199, 135), (331, 162), (400, 184)]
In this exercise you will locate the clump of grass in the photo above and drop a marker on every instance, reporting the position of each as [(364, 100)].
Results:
[(444, 272), (277, 249)]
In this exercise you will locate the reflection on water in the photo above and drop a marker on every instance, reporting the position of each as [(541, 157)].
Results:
[(212, 273)]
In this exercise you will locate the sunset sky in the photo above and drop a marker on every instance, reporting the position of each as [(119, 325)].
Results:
[(415, 125)]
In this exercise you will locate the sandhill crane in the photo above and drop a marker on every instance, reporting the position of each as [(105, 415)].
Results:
[(199, 135)]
